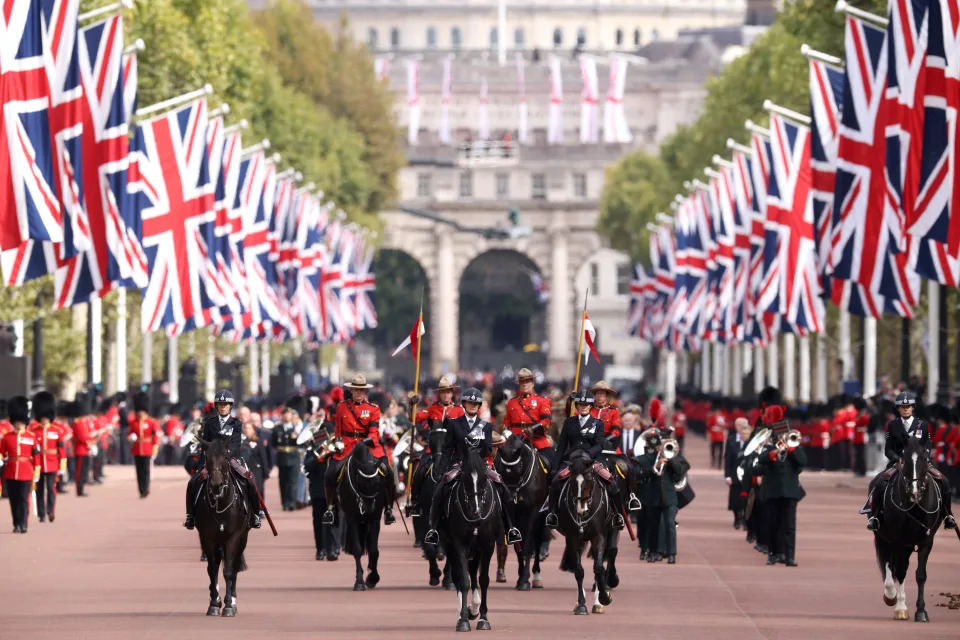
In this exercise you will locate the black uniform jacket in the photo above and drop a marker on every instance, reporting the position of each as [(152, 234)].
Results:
[(231, 431), (781, 478), (573, 437), (461, 439), (897, 437), (255, 455)]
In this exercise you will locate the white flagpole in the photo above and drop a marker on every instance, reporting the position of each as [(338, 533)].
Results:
[(555, 125), (773, 362), (705, 370), (210, 382), (869, 357), (413, 101), (822, 393), (803, 393), (265, 367), (446, 91), (121, 332), (759, 366), (736, 380), (846, 354), (933, 340), (789, 367), (502, 32), (96, 342), (171, 103), (173, 369), (146, 367)]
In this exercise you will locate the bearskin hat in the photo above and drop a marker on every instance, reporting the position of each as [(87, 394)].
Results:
[(83, 405), (44, 406), (769, 396), (18, 408), (773, 414), (654, 410), (297, 404), (141, 402)]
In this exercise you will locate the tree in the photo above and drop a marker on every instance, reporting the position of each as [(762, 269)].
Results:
[(633, 194)]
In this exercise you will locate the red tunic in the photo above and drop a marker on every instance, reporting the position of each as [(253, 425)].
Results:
[(610, 417), (436, 413), (147, 432), (860, 430), (717, 427), (21, 453), (174, 430), (680, 424), (529, 410), (82, 436), (50, 443), (355, 422)]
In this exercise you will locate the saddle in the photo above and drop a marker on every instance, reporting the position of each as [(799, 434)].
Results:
[(602, 472), (889, 473), (454, 473)]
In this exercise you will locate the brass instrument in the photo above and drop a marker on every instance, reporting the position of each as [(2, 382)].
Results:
[(309, 431), (644, 437), (190, 434), (669, 449), (788, 440), (758, 441)]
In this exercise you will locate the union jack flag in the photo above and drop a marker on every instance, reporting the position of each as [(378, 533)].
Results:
[(738, 177), (762, 326), (258, 184), (170, 178), (868, 228), (115, 254), (641, 286), (366, 285), (235, 313), (331, 282), (31, 210)]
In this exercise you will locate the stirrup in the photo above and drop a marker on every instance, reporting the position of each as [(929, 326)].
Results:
[(633, 503), (329, 517), (552, 520), (432, 537), (255, 521), (873, 524), (618, 521), (412, 510), (188, 522), (513, 536), (865, 509), (950, 522), (388, 517)]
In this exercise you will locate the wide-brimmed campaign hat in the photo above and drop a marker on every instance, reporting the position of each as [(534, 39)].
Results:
[(359, 381), (603, 386)]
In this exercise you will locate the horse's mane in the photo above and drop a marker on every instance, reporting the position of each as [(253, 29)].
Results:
[(914, 446), (217, 449), (579, 462), (361, 454)]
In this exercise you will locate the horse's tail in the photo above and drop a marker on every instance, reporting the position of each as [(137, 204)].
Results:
[(881, 560), (241, 563)]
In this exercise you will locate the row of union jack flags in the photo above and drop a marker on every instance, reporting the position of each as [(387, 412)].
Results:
[(211, 234), (853, 205)]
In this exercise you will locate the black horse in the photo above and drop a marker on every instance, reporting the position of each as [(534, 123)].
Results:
[(525, 476), (360, 493), (428, 478), (584, 515), (222, 523), (469, 528), (912, 513)]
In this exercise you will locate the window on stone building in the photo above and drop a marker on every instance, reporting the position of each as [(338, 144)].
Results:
[(456, 40), (580, 185), (557, 37), (654, 34), (538, 186), (431, 38), (594, 279), (518, 38), (581, 36), (424, 189), (619, 37), (372, 38), (636, 37), (394, 38), (503, 185), (466, 185), (494, 35), (624, 276)]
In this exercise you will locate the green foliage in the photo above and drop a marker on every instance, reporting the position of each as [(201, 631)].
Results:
[(399, 280), (633, 194)]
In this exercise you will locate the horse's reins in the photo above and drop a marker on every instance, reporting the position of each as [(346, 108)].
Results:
[(460, 486), (213, 502), (356, 492), (580, 523), (901, 485), (529, 474)]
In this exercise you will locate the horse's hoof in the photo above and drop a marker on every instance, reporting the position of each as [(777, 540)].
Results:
[(449, 586), (359, 587), (523, 585), (613, 580), (434, 581), (538, 584), (501, 575), (229, 612), (901, 614), (463, 625), (213, 611), (921, 616), (372, 580), (581, 610), (483, 625), (606, 598), (441, 557), (203, 557), (597, 608), (889, 601)]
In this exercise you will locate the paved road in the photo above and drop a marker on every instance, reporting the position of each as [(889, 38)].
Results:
[(116, 566)]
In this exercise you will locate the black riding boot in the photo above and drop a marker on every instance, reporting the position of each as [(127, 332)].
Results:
[(192, 488), (330, 492), (553, 497), (389, 492), (413, 508), (876, 504), (614, 492), (949, 522), (506, 511), (256, 513), (432, 537)]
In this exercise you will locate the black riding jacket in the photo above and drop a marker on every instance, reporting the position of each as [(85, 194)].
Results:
[(898, 435), (574, 437), (230, 430), (461, 439)]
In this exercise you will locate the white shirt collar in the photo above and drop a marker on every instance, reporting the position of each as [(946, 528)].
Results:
[(907, 422), (583, 419)]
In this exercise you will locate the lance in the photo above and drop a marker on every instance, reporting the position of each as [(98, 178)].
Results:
[(413, 408), (583, 320)]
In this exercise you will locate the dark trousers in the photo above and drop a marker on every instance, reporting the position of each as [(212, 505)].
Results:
[(668, 531), (19, 501), (652, 534), (97, 461), (83, 463), (761, 523), (142, 463), (288, 485), (46, 485), (716, 454), (860, 459), (326, 538), (783, 526)]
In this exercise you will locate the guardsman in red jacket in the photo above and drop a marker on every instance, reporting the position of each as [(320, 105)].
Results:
[(83, 438), (717, 433), (861, 426), (679, 423), (5, 428), (427, 419), (528, 415), (52, 455), (144, 433), (21, 457), (355, 421)]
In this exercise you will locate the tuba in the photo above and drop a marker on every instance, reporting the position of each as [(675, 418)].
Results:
[(308, 432), (758, 441), (190, 434)]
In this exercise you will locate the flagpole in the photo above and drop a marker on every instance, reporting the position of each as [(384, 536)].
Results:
[(583, 317), (413, 408)]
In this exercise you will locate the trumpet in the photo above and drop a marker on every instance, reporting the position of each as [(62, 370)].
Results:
[(787, 440), (669, 450)]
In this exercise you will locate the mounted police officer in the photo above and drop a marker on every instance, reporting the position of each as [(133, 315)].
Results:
[(899, 431), (465, 433), (424, 421), (582, 432), (222, 426)]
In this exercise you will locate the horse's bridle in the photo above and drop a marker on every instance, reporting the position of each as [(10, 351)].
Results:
[(527, 476), (213, 501), (361, 496), (461, 486), (576, 520)]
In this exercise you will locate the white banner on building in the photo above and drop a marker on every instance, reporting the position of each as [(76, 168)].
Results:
[(483, 113), (555, 125), (589, 97), (445, 101), (522, 90), (413, 101), (615, 128), (381, 68)]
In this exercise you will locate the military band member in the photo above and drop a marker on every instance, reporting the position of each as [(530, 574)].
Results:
[(583, 432), (52, 454), (430, 418), (464, 433), (144, 435), (781, 464), (288, 453), (528, 415), (326, 539), (356, 420), (899, 431), (21, 458), (737, 499)]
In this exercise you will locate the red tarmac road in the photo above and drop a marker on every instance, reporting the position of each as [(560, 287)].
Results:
[(116, 566)]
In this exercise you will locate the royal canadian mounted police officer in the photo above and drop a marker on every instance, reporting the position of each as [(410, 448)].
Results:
[(355, 421), (287, 451), (582, 432), (424, 421), (465, 433), (528, 415), (899, 431), (220, 425)]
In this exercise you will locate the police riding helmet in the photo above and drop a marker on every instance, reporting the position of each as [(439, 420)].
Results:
[(906, 399), (223, 397), (472, 394), (583, 397)]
